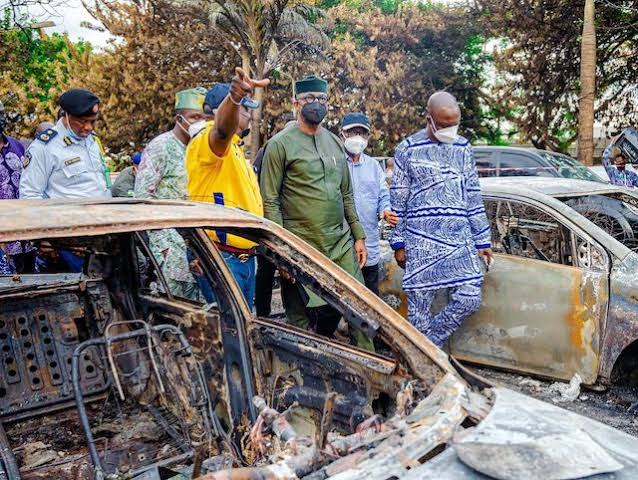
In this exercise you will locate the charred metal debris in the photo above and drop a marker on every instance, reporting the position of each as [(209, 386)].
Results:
[(186, 391)]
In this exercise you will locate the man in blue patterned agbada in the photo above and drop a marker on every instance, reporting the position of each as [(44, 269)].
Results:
[(443, 232)]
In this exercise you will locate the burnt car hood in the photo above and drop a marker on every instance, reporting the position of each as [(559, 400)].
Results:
[(523, 438)]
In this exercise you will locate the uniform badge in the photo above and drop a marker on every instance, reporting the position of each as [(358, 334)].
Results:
[(71, 161), (26, 160), (67, 140), (47, 135)]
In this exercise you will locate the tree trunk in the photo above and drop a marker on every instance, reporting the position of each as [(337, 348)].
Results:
[(255, 122), (587, 86)]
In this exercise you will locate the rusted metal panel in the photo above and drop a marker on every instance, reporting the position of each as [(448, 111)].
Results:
[(622, 321), (537, 317), (37, 338)]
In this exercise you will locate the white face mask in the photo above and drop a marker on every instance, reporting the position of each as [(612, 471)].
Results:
[(445, 135), (355, 145), (196, 127), (193, 128)]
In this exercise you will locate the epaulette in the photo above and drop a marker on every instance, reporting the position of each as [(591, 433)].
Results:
[(47, 135)]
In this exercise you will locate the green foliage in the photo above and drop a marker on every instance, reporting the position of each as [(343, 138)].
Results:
[(34, 70), (537, 64), (386, 58)]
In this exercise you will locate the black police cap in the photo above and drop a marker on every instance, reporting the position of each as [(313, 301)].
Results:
[(79, 103)]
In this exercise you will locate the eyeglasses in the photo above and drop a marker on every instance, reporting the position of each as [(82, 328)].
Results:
[(323, 99)]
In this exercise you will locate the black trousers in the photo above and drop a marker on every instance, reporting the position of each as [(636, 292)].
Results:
[(371, 278), (263, 288), (24, 262)]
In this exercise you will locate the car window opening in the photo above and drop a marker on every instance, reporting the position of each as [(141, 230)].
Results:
[(616, 214), (141, 360)]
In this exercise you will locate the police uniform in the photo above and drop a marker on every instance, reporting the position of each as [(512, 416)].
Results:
[(58, 164)]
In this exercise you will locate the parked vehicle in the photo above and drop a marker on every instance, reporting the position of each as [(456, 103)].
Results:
[(529, 162), (562, 295), (108, 374)]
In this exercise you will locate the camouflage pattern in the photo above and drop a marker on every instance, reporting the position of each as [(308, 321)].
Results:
[(162, 174)]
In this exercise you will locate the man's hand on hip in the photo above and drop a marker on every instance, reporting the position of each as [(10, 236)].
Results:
[(362, 253), (399, 256), (390, 217)]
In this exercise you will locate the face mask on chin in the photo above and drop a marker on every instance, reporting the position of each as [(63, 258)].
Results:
[(355, 145), (314, 113), (444, 135), (72, 133)]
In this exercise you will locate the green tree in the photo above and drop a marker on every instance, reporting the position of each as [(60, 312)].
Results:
[(161, 48), (268, 34), (34, 70), (388, 63), (538, 65)]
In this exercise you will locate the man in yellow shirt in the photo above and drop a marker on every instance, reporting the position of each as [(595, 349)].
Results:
[(218, 172)]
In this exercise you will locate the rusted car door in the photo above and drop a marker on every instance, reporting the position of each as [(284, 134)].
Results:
[(544, 300)]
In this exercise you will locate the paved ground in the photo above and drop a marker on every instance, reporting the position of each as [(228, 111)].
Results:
[(617, 407)]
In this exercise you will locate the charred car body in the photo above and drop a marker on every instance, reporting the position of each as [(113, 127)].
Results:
[(562, 296), (107, 374)]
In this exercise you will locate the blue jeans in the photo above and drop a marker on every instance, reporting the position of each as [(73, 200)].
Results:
[(73, 261), (245, 275)]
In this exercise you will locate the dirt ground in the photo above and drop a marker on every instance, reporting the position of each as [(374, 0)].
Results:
[(617, 407)]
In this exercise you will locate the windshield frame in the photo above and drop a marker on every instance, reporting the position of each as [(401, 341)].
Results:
[(580, 171)]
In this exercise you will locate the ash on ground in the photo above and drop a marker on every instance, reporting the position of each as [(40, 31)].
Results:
[(616, 407)]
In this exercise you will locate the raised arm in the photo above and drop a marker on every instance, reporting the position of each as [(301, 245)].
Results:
[(227, 116), (612, 171)]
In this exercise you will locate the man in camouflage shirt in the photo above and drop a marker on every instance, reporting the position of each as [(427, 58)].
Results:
[(162, 174)]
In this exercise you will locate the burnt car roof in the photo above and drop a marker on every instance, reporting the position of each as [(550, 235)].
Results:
[(549, 191), (551, 186), (31, 219)]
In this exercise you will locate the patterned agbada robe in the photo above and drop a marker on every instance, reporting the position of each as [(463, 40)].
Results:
[(162, 174), (11, 162), (435, 192)]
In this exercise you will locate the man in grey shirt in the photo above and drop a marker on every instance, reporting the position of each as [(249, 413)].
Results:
[(124, 184)]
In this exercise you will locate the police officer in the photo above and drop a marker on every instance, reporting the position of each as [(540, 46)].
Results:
[(67, 161)]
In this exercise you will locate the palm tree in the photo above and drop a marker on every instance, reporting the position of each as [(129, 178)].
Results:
[(587, 86), (266, 33)]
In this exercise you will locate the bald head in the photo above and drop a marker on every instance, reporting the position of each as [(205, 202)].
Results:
[(443, 101), (443, 112)]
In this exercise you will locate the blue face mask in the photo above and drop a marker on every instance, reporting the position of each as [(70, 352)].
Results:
[(72, 134)]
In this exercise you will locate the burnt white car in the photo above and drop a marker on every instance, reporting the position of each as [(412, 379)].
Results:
[(107, 373), (562, 295)]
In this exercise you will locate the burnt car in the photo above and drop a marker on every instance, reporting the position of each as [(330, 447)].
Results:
[(493, 161), (108, 373), (562, 295)]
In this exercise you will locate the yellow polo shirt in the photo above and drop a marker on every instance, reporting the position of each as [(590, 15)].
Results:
[(227, 180)]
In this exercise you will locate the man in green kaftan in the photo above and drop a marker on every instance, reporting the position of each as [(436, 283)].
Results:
[(306, 188)]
